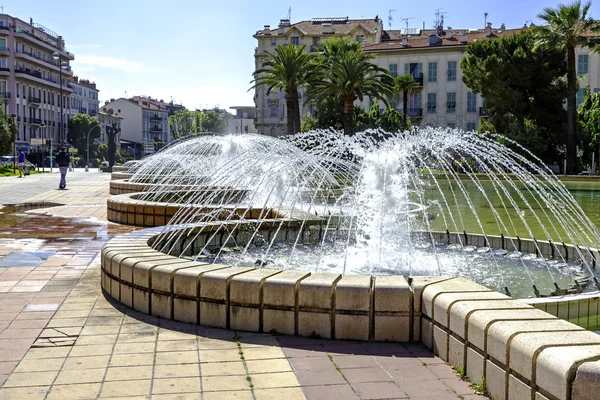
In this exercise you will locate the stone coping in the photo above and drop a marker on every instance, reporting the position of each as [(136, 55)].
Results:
[(520, 351)]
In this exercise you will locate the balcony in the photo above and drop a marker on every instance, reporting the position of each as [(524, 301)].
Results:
[(35, 121), (83, 110), (156, 129), (156, 117), (4, 95), (4, 49), (4, 69), (93, 113), (415, 112), (34, 101), (43, 61), (483, 112), (38, 76), (419, 79), (50, 46)]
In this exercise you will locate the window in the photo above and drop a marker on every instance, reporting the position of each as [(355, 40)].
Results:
[(471, 102), (2, 62), (451, 71), (596, 90), (431, 102), (273, 41), (17, 90), (450, 102), (432, 72), (2, 43), (579, 97), (393, 70), (471, 126), (360, 38), (295, 40), (582, 64)]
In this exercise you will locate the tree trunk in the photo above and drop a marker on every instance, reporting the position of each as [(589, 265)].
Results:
[(293, 111), (405, 107), (571, 113), (348, 116)]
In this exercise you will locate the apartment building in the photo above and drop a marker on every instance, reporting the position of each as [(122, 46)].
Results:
[(143, 123), (243, 120), (270, 109), (84, 98), (107, 118), (171, 106), (34, 80)]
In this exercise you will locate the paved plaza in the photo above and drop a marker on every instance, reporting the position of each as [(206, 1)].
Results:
[(61, 338)]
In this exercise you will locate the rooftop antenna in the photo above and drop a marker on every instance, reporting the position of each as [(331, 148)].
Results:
[(406, 20), (290, 14), (126, 94), (485, 19), (390, 18), (2, 7), (439, 20)]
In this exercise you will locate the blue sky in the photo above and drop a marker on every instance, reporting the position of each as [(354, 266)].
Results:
[(201, 52)]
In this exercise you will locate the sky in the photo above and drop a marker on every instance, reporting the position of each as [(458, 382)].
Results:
[(201, 53)]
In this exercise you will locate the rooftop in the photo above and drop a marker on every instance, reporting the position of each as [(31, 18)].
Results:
[(314, 27)]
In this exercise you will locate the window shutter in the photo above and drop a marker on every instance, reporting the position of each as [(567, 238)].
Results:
[(406, 68)]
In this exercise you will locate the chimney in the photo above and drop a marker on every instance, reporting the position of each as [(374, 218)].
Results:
[(488, 29), (449, 33), (463, 37), (267, 30), (327, 27), (404, 41)]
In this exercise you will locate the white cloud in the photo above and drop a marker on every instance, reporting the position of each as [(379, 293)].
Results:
[(84, 46), (112, 62)]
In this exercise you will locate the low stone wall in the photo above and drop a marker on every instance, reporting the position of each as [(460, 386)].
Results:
[(520, 351), (581, 309), (120, 175), (123, 186)]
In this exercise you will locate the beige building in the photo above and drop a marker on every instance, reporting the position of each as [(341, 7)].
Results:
[(271, 113), (32, 80), (143, 123), (84, 98), (243, 120)]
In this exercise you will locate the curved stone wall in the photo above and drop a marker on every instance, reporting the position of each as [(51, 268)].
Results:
[(522, 352)]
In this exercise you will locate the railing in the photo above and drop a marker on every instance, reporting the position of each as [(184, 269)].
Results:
[(4, 48), (6, 69), (38, 57), (5, 28), (419, 79), (483, 112), (4, 95), (35, 121), (155, 129), (156, 117), (36, 100), (83, 110), (415, 112), (92, 112)]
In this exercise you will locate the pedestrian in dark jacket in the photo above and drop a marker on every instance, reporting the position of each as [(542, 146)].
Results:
[(63, 160)]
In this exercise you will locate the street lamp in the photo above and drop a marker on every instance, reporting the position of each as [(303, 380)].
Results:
[(14, 138), (42, 127), (61, 64), (88, 144)]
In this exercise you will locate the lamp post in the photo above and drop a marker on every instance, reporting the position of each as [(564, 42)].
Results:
[(61, 64), (14, 140), (88, 145), (42, 127)]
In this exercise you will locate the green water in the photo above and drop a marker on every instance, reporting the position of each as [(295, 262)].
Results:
[(587, 195)]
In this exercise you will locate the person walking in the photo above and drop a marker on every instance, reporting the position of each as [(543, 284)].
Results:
[(21, 163), (63, 160)]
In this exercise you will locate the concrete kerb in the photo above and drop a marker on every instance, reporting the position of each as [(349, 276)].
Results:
[(519, 350)]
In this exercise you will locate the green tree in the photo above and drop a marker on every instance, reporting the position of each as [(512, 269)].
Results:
[(393, 121), (308, 123), (212, 121), (345, 73), (183, 123), (568, 27), (523, 89), (406, 85), (287, 69), (79, 127), (589, 127), (8, 132)]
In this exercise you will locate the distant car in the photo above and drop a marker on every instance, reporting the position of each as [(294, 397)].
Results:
[(584, 173), (104, 166)]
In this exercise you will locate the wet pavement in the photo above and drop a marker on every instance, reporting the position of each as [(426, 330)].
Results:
[(61, 338)]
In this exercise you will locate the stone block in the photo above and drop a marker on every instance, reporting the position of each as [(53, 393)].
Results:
[(427, 333), (525, 347), (418, 284), (453, 285), (280, 301), (518, 389), (392, 294), (456, 352), (161, 305), (352, 307), (185, 280), (481, 320), (279, 321), (185, 310), (142, 271), (587, 381), (446, 306), (315, 305), (246, 299), (162, 276), (214, 296), (440, 343), (141, 300), (352, 327), (555, 366), (126, 295), (475, 366), (501, 333), (496, 380), (393, 328)]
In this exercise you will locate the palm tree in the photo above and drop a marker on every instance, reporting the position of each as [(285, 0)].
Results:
[(346, 74), (405, 84), (286, 69), (567, 27)]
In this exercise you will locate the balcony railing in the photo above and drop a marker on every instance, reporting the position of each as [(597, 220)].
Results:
[(36, 74), (155, 129), (4, 95), (38, 57), (156, 117), (483, 112), (419, 79), (35, 121), (4, 48), (35, 100), (415, 112), (5, 28), (92, 113), (83, 110), (6, 69)]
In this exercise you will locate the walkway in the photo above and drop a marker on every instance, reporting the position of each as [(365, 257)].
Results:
[(60, 338)]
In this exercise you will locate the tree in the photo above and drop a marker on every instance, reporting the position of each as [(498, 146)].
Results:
[(567, 27), (308, 123), (7, 134), (287, 69), (589, 116), (183, 123), (406, 85), (212, 121), (523, 89), (79, 127), (345, 73)]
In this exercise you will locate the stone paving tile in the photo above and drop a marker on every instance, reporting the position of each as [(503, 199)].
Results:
[(120, 353)]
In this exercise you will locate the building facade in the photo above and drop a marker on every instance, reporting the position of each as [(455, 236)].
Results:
[(33, 84), (84, 98), (271, 113), (243, 121), (143, 125)]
